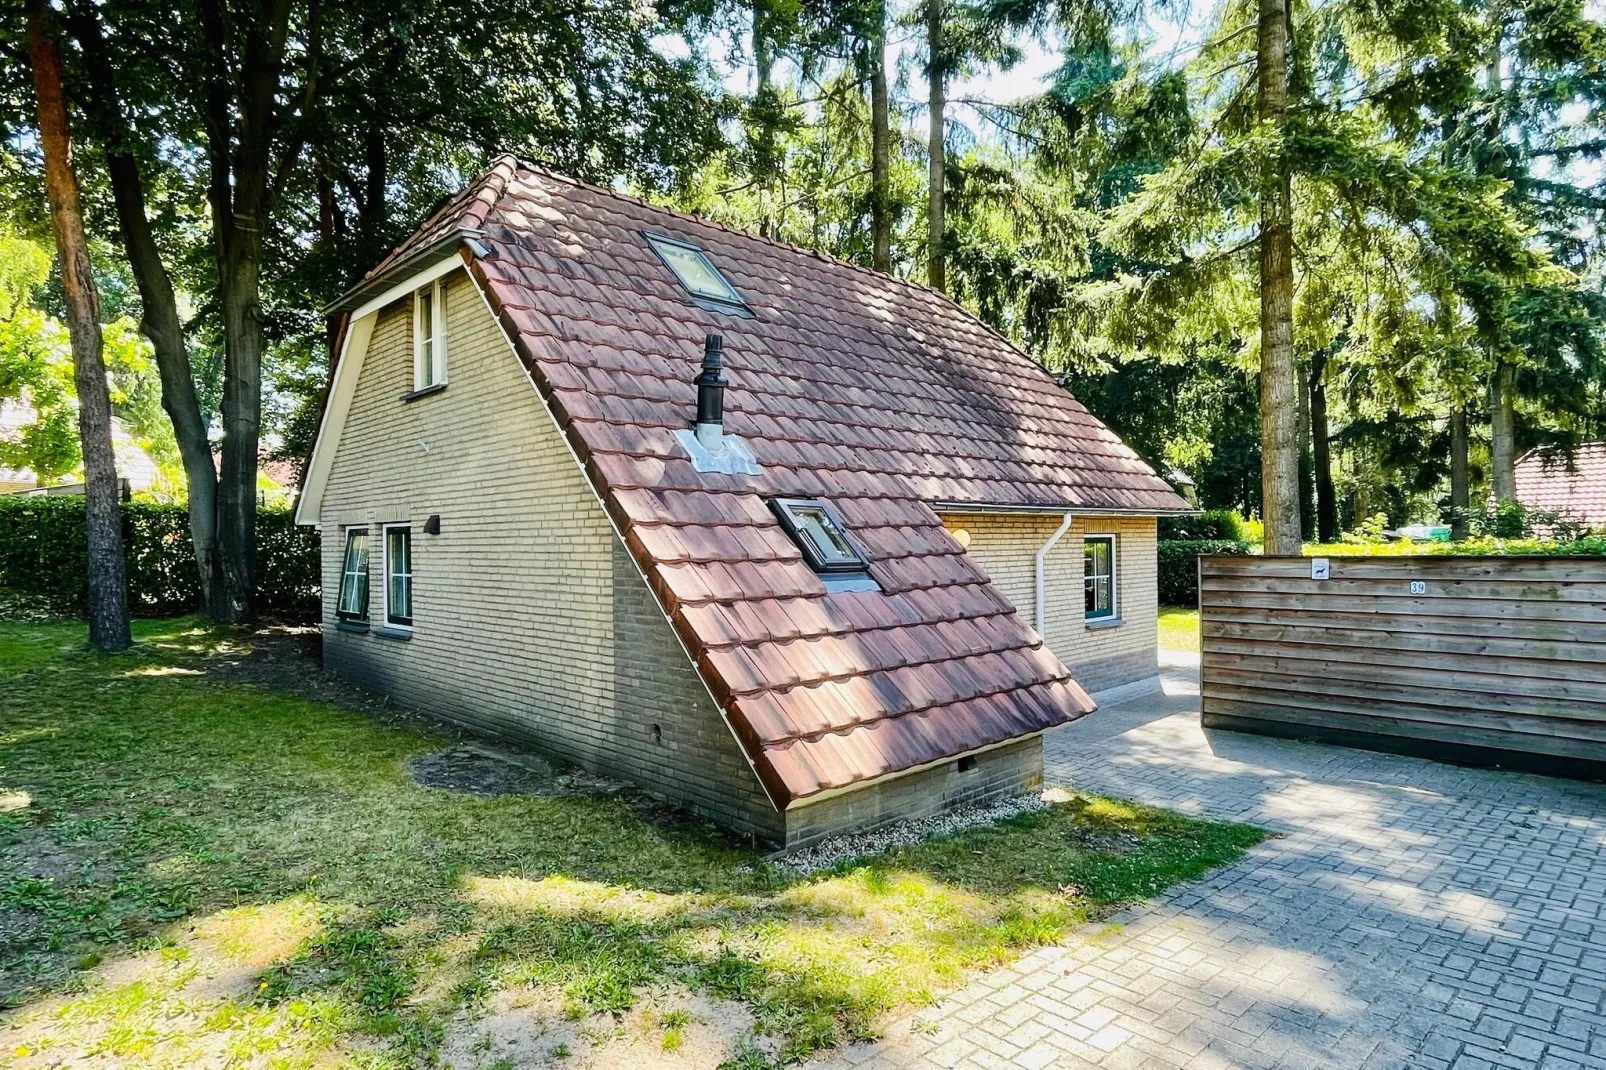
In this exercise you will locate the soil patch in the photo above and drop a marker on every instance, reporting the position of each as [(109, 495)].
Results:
[(481, 769)]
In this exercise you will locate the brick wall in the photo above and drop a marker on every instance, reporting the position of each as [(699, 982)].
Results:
[(1003, 771), (529, 620), (1100, 654)]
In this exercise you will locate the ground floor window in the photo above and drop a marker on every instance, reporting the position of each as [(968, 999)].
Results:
[(354, 577), (1098, 575), (399, 577)]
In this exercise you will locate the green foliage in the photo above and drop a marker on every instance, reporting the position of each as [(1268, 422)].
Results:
[(1213, 524), (1178, 564), (1478, 546), (44, 551)]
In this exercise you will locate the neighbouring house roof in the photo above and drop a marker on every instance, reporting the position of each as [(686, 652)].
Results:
[(1572, 486), (882, 396)]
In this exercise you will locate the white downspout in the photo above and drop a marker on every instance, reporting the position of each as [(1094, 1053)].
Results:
[(1042, 555)]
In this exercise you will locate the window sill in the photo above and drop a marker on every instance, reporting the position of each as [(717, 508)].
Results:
[(351, 625), (434, 388), (1100, 623), (391, 632)]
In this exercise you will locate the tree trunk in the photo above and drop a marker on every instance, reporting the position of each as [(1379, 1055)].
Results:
[(1307, 461), (1503, 432), (160, 322), (108, 597), (1279, 426), (374, 220), (880, 147), (937, 100), (1460, 491), (239, 285), (1322, 453)]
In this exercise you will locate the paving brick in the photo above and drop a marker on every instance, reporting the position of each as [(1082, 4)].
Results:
[(1409, 914)]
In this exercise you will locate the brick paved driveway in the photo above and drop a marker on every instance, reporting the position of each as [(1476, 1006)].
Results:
[(1410, 914)]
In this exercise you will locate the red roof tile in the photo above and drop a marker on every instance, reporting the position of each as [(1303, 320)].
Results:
[(1573, 487), (878, 394)]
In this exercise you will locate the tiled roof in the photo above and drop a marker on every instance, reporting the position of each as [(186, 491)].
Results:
[(1573, 487), (882, 396)]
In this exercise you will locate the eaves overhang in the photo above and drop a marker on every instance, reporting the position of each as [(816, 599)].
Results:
[(420, 259)]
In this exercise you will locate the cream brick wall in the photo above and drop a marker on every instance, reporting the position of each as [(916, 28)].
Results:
[(530, 620), (1101, 655)]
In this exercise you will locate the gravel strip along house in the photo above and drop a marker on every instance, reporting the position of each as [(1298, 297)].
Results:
[(801, 547)]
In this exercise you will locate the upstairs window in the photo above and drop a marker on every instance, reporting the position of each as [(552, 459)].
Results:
[(353, 604), (820, 535), (1098, 576), (429, 335), (399, 577), (697, 273)]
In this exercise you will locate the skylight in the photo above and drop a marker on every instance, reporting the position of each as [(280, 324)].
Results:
[(696, 272), (818, 533)]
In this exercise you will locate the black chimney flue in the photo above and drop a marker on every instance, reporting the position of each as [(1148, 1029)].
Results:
[(711, 393)]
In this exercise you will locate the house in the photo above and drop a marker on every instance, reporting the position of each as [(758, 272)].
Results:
[(796, 545), (1568, 487), (135, 468)]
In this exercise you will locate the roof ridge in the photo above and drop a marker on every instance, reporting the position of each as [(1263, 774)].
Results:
[(803, 250)]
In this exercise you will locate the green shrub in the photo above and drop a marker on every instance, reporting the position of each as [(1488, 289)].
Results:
[(1178, 563), (44, 552), (1213, 524)]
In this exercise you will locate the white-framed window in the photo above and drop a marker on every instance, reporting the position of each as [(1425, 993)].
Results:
[(1099, 585), (429, 335), (398, 576), (353, 605)]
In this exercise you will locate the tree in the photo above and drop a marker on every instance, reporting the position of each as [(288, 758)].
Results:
[(108, 597), (937, 66), (160, 321), (1279, 427), (880, 140)]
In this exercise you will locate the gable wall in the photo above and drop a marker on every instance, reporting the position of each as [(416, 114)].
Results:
[(530, 620), (1100, 656)]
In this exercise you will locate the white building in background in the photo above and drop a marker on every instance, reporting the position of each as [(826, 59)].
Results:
[(134, 466)]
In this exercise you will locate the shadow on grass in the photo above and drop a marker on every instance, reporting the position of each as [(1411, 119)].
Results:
[(206, 866)]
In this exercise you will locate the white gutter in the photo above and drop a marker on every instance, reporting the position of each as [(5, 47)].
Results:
[(1042, 555)]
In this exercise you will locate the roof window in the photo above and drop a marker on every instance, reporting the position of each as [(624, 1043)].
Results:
[(697, 274), (820, 535)]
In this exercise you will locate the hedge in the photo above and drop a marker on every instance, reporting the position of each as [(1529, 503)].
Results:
[(1178, 562), (44, 552)]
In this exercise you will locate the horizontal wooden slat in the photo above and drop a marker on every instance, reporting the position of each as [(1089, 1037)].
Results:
[(1506, 653), (1548, 569), (1584, 613), (1438, 587), (1463, 734), (1389, 691), (1583, 700), (1470, 627), (1468, 669)]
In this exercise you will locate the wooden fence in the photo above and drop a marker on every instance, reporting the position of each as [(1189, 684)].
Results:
[(1491, 660)]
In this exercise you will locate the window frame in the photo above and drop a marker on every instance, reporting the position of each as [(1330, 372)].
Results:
[(436, 289), (398, 623), (782, 508), (715, 303), (341, 613), (1113, 613)]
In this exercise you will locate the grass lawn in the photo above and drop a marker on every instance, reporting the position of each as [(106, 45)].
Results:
[(1179, 629), (201, 866)]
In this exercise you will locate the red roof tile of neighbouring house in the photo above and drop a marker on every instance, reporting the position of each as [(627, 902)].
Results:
[(1574, 487), (879, 395)]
